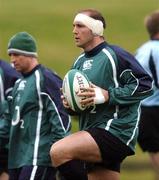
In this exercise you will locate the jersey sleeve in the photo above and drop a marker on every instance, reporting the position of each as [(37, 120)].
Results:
[(148, 56), (56, 113), (134, 84), (154, 66), (10, 76), (5, 124)]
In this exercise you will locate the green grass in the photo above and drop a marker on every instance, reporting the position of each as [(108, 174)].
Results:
[(50, 22), (137, 167)]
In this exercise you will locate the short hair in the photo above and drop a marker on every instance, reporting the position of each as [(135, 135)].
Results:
[(152, 23), (95, 15)]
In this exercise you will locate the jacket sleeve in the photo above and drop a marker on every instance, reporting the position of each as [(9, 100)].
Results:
[(57, 128), (148, 57), (56, 112), (4, 126), (133, 83)]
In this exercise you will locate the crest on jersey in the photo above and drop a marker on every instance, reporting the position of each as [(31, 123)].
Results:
[(87, 64), (22, 85)]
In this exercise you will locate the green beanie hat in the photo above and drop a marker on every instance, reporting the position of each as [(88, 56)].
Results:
[(22, 43)]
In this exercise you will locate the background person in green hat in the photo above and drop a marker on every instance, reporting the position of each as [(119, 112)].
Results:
[(37, 116)]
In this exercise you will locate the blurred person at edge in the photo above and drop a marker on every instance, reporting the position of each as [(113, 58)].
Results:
[(109, 126), (148, 56), (37, 118), (8, 76)]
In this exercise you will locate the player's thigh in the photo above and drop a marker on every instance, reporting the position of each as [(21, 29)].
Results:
[(79, 145)]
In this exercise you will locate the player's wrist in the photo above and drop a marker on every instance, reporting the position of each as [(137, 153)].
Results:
[(99, 96)]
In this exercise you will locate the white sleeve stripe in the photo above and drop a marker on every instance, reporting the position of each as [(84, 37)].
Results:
[(56, 111), (33, 173), (78, 59), (134, 132), (136, 85), (137, 80), (113, 66), (1, 90), (112, 61)]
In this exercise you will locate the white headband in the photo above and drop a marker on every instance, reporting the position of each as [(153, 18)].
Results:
[(95, 25)]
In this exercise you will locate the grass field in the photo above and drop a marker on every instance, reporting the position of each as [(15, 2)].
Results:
[(50, 22)]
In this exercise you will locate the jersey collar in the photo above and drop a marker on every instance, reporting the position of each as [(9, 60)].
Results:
[(32, 71), (96, 50)]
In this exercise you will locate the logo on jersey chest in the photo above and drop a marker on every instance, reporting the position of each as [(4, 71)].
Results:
[(87, 64), (21, 85), (20, 88)]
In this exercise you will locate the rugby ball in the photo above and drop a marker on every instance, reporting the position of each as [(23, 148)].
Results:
[(72, 82)]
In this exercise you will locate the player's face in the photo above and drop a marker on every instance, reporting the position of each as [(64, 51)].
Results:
[(83, 35), (21, 63)]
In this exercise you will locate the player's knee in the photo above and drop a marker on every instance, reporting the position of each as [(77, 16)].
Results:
[(54, 154), (57, 155)]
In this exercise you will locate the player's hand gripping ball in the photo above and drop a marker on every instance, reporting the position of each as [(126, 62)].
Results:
[(72, 82)]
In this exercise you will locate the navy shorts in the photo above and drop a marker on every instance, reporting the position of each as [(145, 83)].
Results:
[(113, 151), (36, 172), (3, 160), (148, 138)]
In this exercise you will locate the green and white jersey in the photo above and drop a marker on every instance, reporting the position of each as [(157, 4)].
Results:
[(38, 118), (117, 71)]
